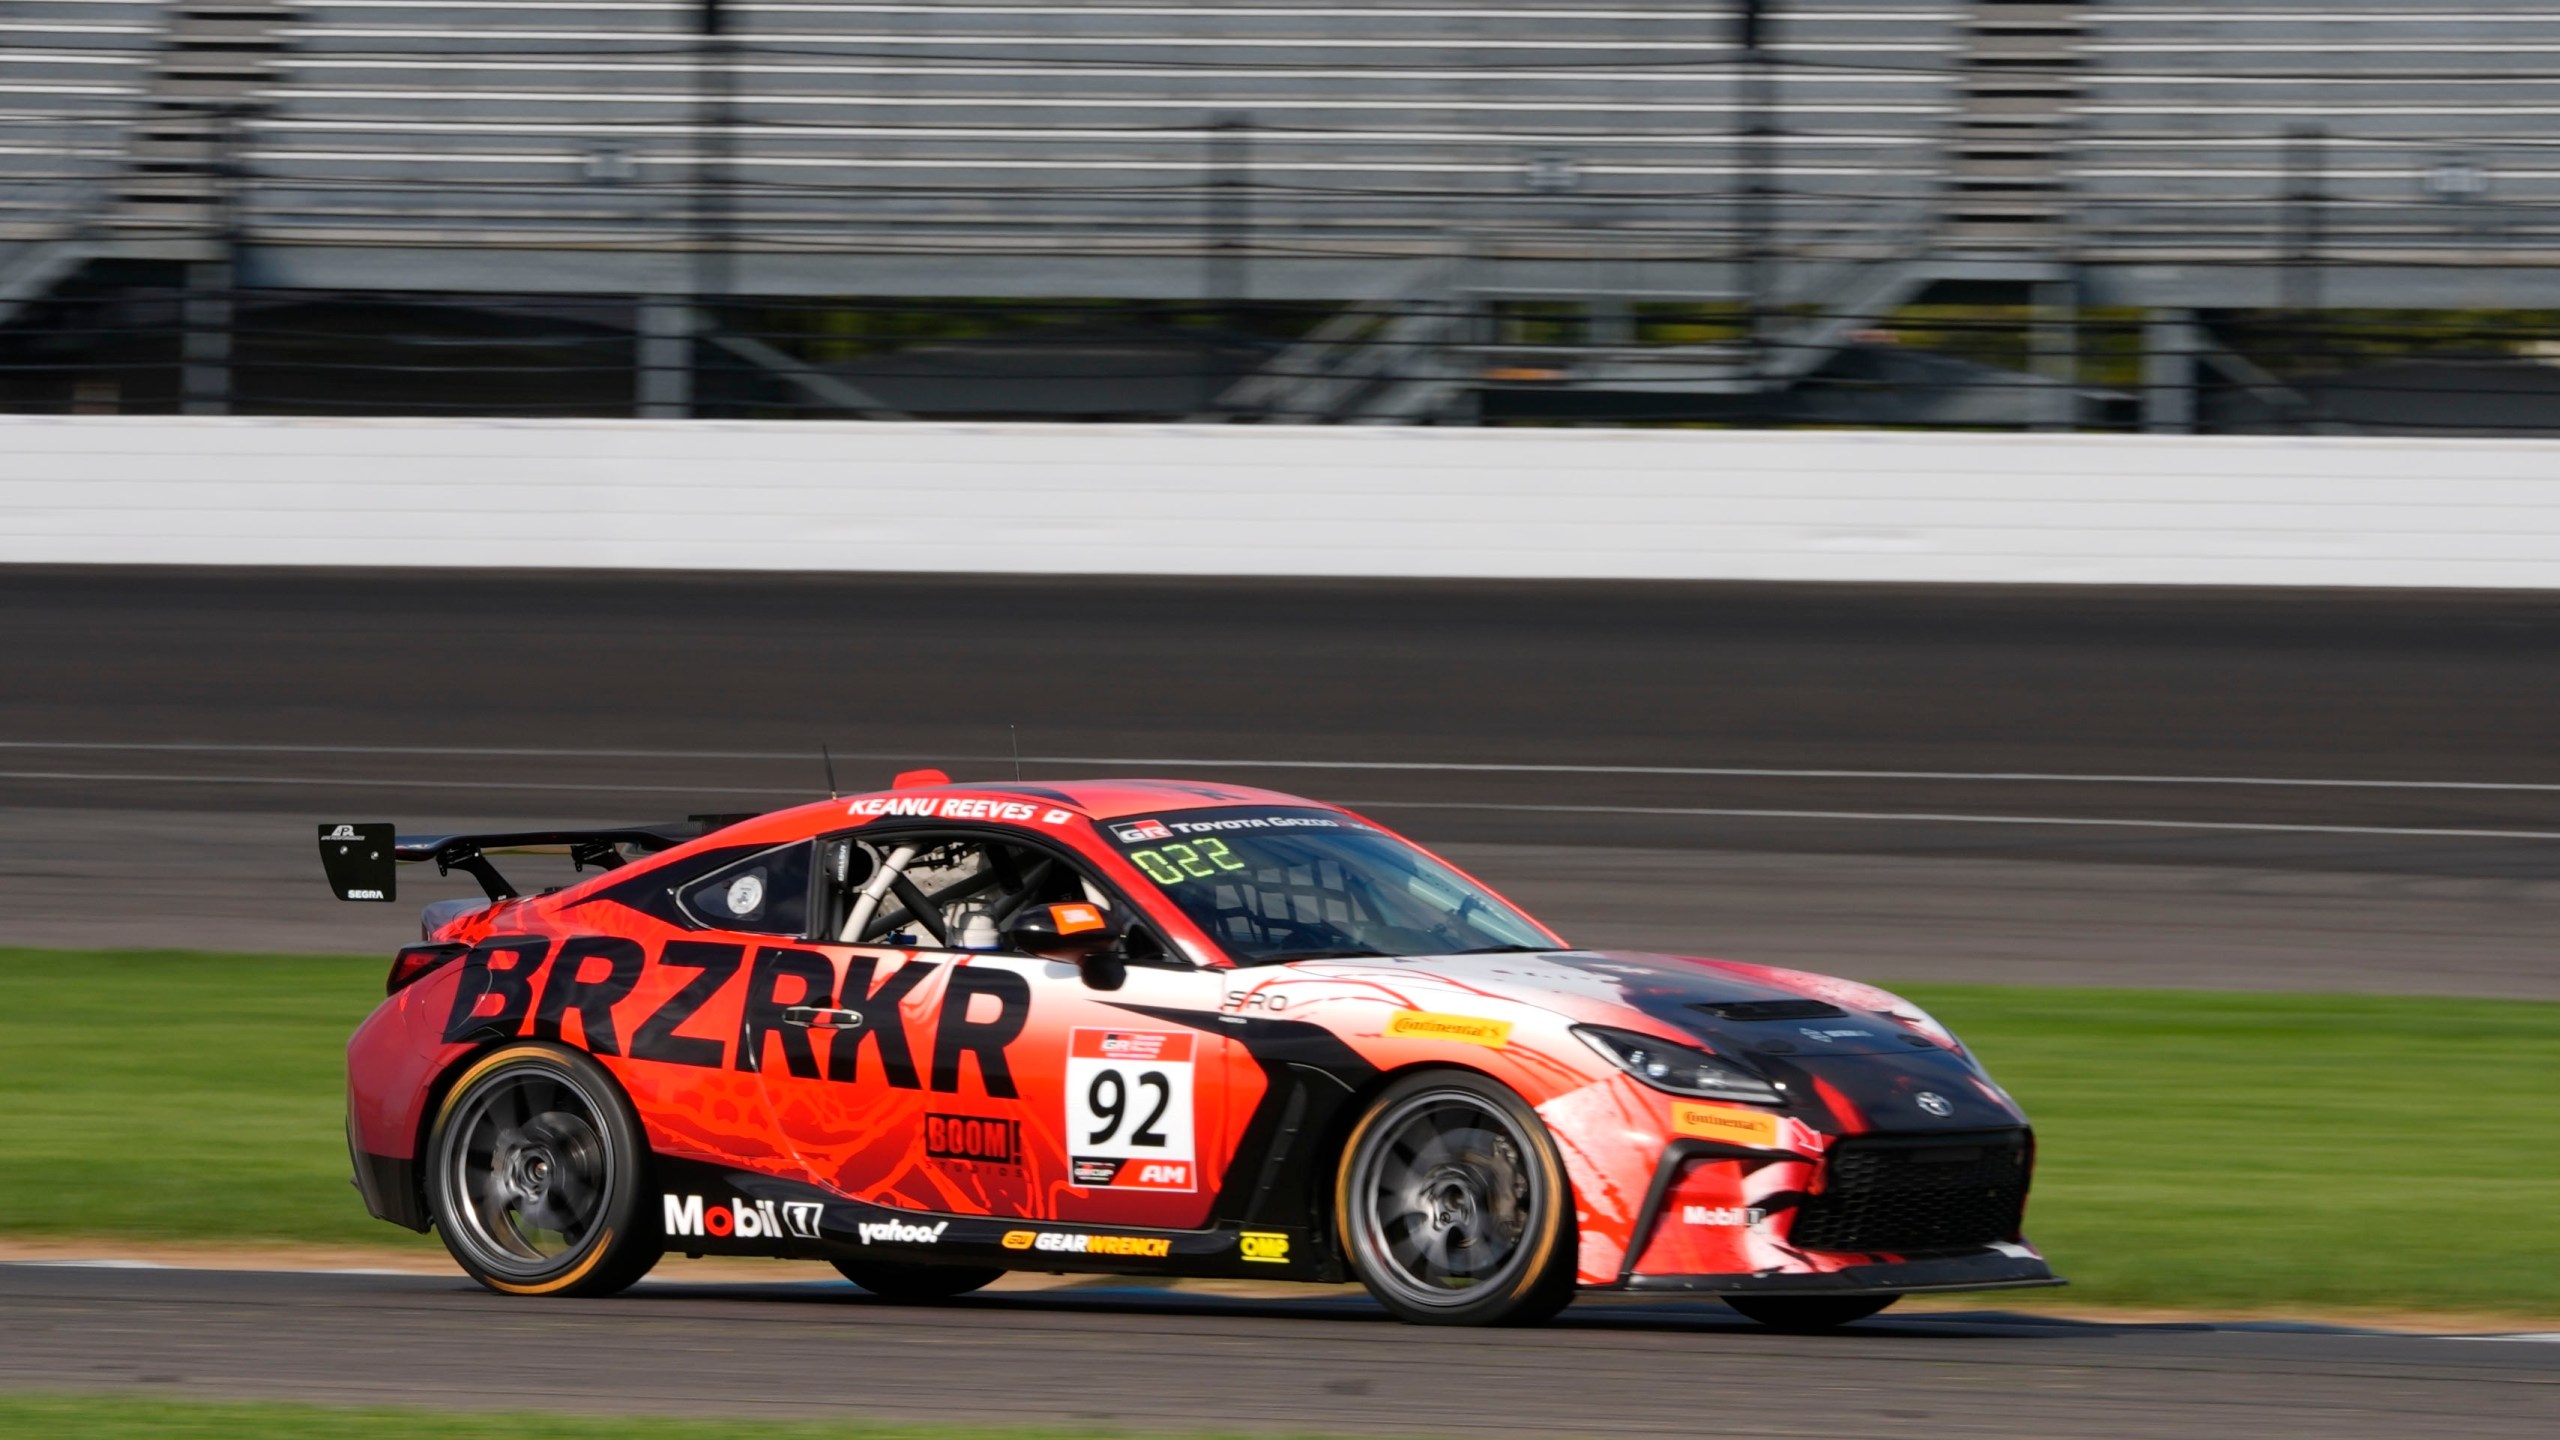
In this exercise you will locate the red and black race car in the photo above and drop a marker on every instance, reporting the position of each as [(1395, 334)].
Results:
[(1145, 1027)]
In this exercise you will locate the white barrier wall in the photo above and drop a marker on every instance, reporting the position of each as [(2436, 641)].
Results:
[(1060, 499)]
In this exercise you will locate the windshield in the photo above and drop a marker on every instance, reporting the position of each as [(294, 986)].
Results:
[(1275, 885)]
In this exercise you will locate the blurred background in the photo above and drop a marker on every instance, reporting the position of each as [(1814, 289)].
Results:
[(2284, 216)]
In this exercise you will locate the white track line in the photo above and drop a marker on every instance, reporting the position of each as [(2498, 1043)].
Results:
[(1715, 812), (805, 792), (1945, 819), (1406, 766)]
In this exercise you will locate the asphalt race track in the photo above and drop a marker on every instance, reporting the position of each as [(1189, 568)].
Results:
[(2249, 790), (2323, 792), (1114, 1357)]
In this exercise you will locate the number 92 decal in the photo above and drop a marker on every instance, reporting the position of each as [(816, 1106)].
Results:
[(1129, 1110)]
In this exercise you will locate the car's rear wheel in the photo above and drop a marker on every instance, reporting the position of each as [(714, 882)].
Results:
[(1807, 1312), (916, 1284), (537, 1174), (1454, 1205)]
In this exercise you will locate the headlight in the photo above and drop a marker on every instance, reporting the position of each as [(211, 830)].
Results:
[(1678, 1068)]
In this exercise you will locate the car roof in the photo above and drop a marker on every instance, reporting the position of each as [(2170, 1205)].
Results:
[(1100, 800), (1116, 799)]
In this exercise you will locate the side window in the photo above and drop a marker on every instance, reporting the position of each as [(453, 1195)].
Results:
[(954, 892), (765, 894)]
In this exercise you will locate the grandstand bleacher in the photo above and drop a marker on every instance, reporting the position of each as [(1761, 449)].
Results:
[(2166, 155)]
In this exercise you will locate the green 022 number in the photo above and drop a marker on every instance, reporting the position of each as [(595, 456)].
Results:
[(1173, 863)]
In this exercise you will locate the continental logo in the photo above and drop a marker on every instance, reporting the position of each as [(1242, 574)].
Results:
[(1467, 1029), (1733, 1127), (1266, 1248), (1052, 1242)]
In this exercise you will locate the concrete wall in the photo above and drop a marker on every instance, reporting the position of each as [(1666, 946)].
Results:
[(1270, 501)]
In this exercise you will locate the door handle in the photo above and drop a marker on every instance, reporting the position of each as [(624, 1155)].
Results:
[(813, 1017)]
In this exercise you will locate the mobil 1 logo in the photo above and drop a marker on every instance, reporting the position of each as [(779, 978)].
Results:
[(1129, 1110)]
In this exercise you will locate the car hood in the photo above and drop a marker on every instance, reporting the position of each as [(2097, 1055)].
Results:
[(1733, 1007), (1877, 1060)]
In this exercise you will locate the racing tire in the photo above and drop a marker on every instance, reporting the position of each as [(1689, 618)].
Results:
[(909, 1284), (1802, 1314), (537, 1174), (1453, 1204)]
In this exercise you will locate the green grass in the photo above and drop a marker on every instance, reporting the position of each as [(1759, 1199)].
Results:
[(67, 1417), (2311, 1153), (2332, 1152), (181, 1097)]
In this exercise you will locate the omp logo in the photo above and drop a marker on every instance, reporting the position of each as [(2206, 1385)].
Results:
[(365, 895), (742, 1219), (874, 1232), (1729, 1215), (1733, 1127), (343, 832), (1424, 1025), (1051, 1242), (1266, 1248)]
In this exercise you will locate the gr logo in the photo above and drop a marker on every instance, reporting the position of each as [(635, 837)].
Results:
[(742, 1219)]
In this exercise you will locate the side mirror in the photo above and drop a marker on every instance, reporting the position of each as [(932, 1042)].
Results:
[(1073, 931), (1048, 929)]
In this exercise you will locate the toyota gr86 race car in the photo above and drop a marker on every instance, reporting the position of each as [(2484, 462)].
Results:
[(1145, 1027)]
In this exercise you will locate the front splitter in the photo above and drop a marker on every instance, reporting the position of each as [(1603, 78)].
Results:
[(1983, 1270)]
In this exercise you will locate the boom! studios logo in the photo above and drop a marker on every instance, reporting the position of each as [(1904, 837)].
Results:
[(742, 1219), (973, 1138)]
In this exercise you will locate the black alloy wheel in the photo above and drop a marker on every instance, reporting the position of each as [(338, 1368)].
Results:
[(538, 1171), (912, 1284), (1454, 1205), (1801, 1313)]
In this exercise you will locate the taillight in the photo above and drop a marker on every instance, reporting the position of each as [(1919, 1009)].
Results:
[(415, 961)]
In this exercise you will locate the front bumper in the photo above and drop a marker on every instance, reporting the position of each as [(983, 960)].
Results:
[(1866, 1215)]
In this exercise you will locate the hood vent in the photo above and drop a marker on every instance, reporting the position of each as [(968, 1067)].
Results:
[(1772, 1010)]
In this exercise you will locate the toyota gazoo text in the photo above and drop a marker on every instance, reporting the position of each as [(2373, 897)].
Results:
[(1151, 1027)]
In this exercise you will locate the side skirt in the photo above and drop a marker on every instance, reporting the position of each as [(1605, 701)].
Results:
[(709, 1209)]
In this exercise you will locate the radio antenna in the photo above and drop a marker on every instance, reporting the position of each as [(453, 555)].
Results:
[(1015, 736), (830, 762)]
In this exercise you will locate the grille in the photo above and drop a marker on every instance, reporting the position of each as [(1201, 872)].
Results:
[(1772, 1010), (1910, 1193)]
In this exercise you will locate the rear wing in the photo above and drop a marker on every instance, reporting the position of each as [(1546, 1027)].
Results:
[(363, 859)]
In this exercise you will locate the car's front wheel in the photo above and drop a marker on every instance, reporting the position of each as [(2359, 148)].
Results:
[(916, 1284), (1807, 1312), (1454, 1205), (537, 1175)]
